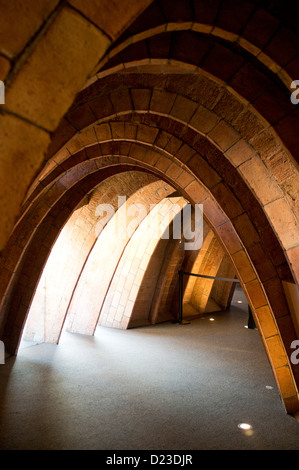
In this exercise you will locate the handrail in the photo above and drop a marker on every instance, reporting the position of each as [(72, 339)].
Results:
[(211, 277)]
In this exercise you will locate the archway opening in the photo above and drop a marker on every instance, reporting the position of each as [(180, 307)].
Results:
[(116, 260)]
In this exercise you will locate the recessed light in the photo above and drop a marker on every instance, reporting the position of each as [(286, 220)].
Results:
[(240, 302), (269, 387), (212, 319), (244, 426)]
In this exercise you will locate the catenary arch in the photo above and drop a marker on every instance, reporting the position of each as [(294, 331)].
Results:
[(95, 281), (132, 289), (85, 256), (273, 287), (171, 170), (78, 258), (120, 128), (256, 29), (250, 204), (160, 113), (255, 77), (276, 40), (280, 103), (114, 56), (262, 76), (194, 263), (61, 113), (293, 249), (208, 261), (274, 340), (47, 53)]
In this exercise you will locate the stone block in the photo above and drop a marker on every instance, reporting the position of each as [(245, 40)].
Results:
[(57, 68)]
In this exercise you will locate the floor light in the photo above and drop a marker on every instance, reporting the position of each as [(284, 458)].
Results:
[(245, 426)]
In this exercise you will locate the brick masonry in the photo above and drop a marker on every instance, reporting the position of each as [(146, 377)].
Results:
[(184, 92)]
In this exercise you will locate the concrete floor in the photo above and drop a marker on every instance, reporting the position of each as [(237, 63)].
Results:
[(165, 387)]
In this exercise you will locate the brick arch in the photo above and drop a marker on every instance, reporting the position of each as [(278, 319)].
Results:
[(276, 330), (251, 206), (273, 287), (215, 295), (254, 65), (264, 267), (197, 291), (222, 291), (273, 169), (33, 127), (37, 231), (169, 117), (48, 52), (271, 284), (100, 273), (152, 39), (193, 261), (201, 294), (163, 306), (71, 253), (80, 22), (256, 27), (130, 294)]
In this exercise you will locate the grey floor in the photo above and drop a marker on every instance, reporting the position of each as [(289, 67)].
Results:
[(165, 387)]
